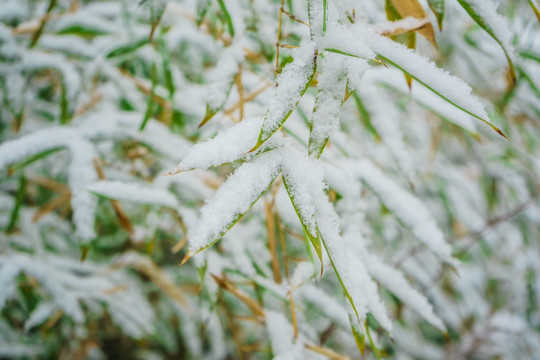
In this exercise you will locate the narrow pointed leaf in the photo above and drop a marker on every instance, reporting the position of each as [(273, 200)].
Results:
[(292, 84), (233, 199), (313, 235), (226, 147), (485, 14), (120, 190), (325, 120), (437, 6), (230, 25), (448, 87), (221, 79), (394, 281), (407, 208), (304, 179)]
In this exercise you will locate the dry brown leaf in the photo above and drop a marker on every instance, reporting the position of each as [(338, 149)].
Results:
[(146, 266), (121, 215), (272, 241), (61, 200), (250, 303), (329, 353), (413, 8)]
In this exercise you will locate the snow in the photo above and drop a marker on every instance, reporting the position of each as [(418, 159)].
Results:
[(87, 20), (390, 27), (303, 272), (40, 314), (424, 97), (340, 39), (487, 10), (325, 119), (407, 208), (449, 87), (303, 179), (280, 332), (80, 173), (227, 146), (291, 84), (233, 199), (222, 76), (326, 303), (138, 193), (394, 281)]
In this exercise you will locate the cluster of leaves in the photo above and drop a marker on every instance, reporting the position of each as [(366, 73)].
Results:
[(338, 195)]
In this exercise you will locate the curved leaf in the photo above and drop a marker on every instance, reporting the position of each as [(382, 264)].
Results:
[(485, 15), (407, 208), (448, 87)]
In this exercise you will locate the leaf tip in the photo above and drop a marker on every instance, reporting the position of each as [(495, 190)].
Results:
[(174, 171), (188, 256)]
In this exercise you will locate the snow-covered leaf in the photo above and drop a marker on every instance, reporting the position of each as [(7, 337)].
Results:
[(485, 14), (325, 118), (291, 86), (233, 199)]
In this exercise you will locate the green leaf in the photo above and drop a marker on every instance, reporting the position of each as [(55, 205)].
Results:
[(325, 15), (151, 103), (470, 8), (536, 8), (437, 6), (365, 117), (127, 48), (343, 287), (64, 105), (202, 9), (234, 199), (289, 94), (359, 338), (14, 217), (227, 16), (402, 68), (374, 347), (325, 119), (31, 159), (81, 30), (314, 238)]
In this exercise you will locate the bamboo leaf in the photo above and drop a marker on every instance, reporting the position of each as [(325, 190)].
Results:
[(127, 48), (64, 106), (133, 192), (151, 103), (233, 199), (400, 202), (312, 235), (292, 84), (228, 18), (535, 8), (317, 13), (325, 120), (437, 6), (227, 146), (221, 80), (304, 179), (31, 159), (450, 88), (14, 216), (485, 15)]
